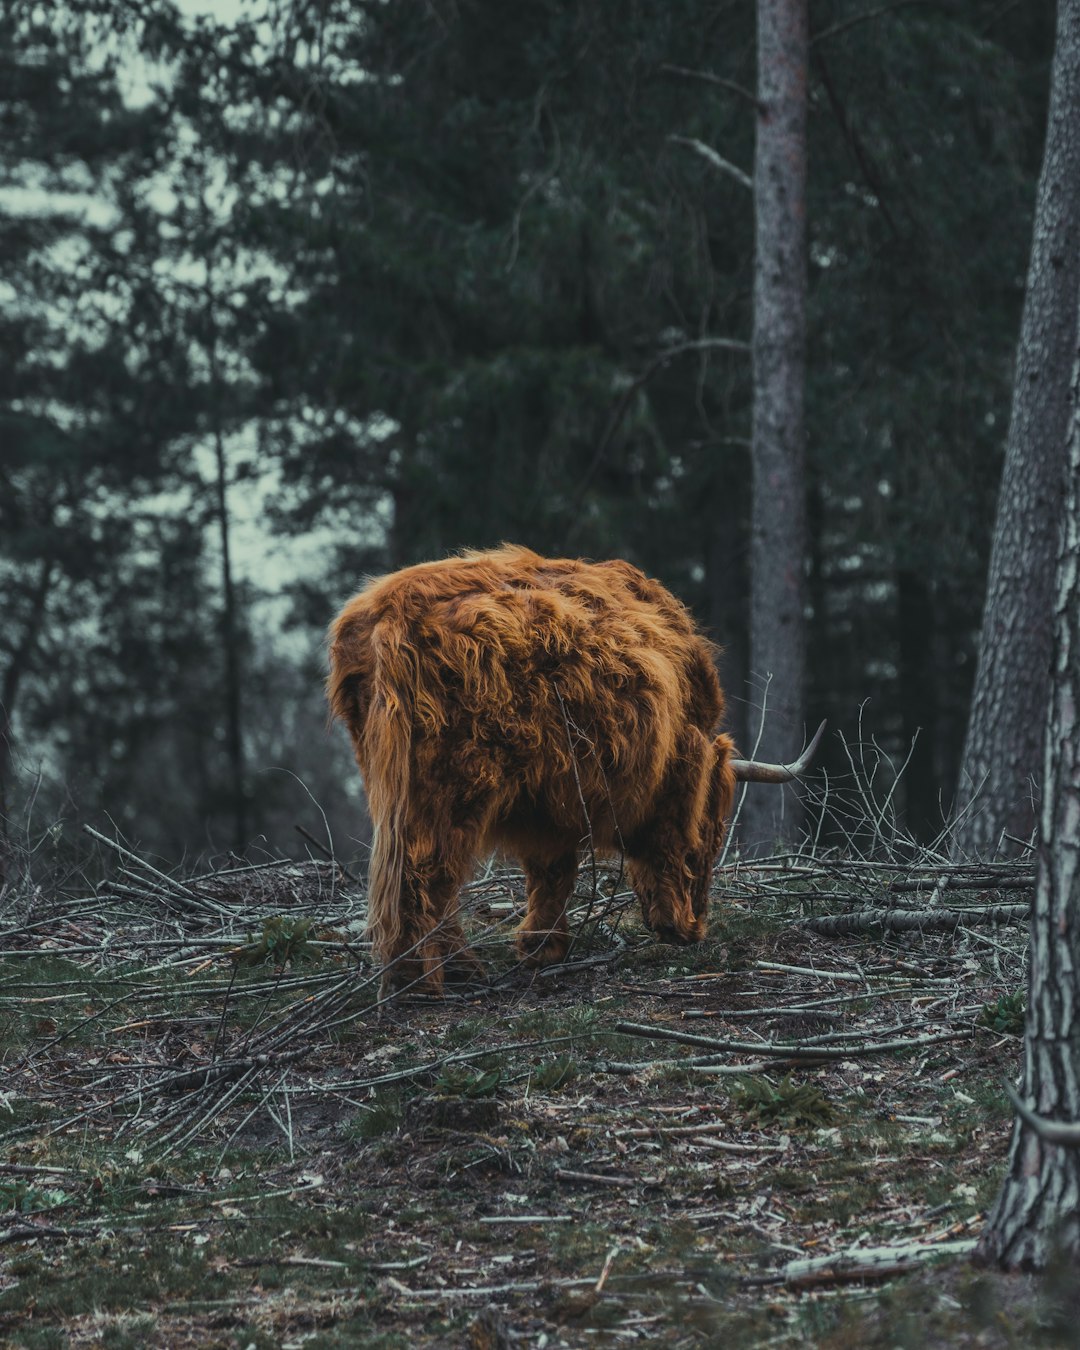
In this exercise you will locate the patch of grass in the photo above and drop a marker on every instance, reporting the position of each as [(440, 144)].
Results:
[(789, 1103), (739, 926), (46, 971), (792, 1181), (22, 1111), (675, 1074), (845, 1203), (42, 1338), (465, 1032), (554, 1074), (128, 1331), (578, 1246), (666, 959), (976, 1106), (111, 1277), (546, 1023), (383, 1117)]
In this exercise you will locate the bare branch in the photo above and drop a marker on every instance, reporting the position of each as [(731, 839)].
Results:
[(709, 78), (715, 159), (1053, 1131), (844, 24)]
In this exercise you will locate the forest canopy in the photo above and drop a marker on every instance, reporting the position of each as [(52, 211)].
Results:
[(296, 292)]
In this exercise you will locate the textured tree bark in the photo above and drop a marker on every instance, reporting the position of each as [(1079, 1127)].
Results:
[(1037, 1214), (778, 515), (1003, 749)]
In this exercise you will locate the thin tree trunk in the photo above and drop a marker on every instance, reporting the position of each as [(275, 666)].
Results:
[(234, 734), (1003, 749), (9, 693), (778, 514), (1037, 1215), (725, 583), (918, 702)]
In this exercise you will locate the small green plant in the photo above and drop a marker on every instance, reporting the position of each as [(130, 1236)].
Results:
[(284, 941), (1007, 1014), (764, 1102), (23, 1199), (458, 1081), (556, 1073)]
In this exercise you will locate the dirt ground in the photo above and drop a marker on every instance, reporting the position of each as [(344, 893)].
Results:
[(242, 1150)]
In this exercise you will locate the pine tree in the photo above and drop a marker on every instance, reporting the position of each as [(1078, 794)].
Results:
[(1004, 748), (1037, 1215), (778, 527)]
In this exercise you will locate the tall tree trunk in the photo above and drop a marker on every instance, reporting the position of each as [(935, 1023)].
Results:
[(726, 583), (1003, 750), (17, 667), (234, 735), (918, 702), (230, 628), (778, 514), (1037, 1215)]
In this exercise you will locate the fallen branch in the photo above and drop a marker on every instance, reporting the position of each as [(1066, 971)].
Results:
[(793, 1050), (163, 886), (869, 1263), (850, 976), (703, 1064), (978, 881), (24, 1231), (914, 920), (598, 1179), (327, 853), (691, 1131)]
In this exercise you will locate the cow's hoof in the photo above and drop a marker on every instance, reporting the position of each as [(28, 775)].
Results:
[(541, 949), (408, 975), (464, 967)]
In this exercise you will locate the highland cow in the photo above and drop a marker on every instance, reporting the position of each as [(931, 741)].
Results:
[(502, 700)]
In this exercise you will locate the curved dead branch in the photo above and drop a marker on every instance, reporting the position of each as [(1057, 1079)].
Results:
[(1053, 1131)]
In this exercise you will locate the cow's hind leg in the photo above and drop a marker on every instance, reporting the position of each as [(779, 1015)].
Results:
[(544, 933), (460, 964), (430, 944)]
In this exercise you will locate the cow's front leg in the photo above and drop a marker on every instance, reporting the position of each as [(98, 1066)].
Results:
[(544, 934)]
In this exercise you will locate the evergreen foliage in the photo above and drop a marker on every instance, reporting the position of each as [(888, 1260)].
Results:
[(444, 275)]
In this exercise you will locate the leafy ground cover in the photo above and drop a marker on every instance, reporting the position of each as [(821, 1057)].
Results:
[(212, 1134)]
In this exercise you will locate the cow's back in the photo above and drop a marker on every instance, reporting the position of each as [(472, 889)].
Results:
[(552, 693)]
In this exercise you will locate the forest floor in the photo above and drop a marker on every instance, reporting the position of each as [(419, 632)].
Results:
[(210, 1135)]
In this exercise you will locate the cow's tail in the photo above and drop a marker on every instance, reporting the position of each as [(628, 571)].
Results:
[(375, 701)]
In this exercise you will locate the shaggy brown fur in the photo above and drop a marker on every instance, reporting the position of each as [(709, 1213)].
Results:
[(501, 700)]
